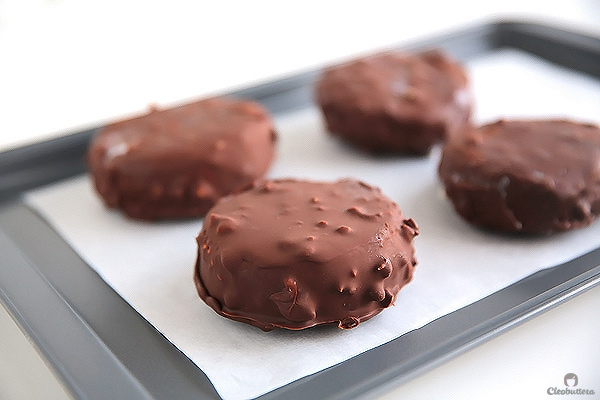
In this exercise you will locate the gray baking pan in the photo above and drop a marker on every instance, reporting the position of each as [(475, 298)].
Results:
[(102, 348)]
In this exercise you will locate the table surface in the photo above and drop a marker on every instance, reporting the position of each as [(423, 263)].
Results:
[(67, 65)]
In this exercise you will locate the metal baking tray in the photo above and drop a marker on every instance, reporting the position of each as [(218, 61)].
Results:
[(102, 348)]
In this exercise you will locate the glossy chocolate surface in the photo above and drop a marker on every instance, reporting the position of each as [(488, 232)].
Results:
[(175, 163), (395, 102), (293, 254), (535, 176)]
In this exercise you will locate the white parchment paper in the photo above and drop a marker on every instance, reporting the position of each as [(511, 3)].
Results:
[(151, 264)]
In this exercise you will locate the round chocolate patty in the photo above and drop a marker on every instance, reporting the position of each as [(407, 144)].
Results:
[(175, 163), (395, 102), (293, 254), (536, 176)]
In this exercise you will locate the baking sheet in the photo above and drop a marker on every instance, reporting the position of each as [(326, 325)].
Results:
[(151, 265)]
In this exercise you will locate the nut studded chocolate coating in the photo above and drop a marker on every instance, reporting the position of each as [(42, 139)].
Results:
[(294, 254), (175, 163), (395, 102), (532, 176)]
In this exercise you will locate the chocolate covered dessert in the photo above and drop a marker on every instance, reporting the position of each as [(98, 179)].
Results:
[(175, 163), (294, 254), (533, 176), (395, 102)]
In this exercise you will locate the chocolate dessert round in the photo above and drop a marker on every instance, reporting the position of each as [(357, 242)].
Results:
[(175, 163), (395, 102), (294, 254), (532, 176)]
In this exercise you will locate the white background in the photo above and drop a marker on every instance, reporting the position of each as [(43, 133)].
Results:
[(65, 65)]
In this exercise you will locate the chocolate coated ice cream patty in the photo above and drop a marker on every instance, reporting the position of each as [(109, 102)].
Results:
[(534, 176), (293, 254), (395, 102), (175, 163)]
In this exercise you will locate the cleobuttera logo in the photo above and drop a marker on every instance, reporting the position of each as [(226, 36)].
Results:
[(571, 380)]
